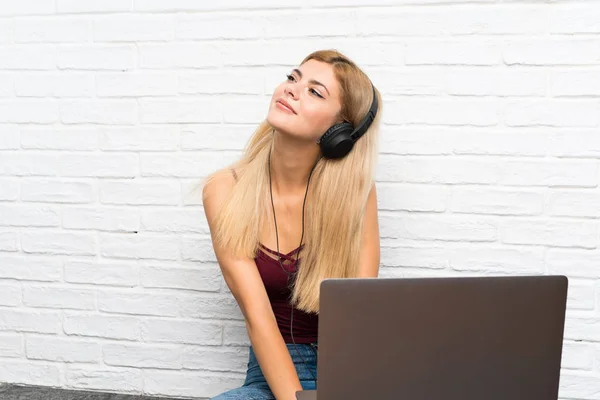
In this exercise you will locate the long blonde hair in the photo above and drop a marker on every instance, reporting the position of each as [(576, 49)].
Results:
[(336, 198)]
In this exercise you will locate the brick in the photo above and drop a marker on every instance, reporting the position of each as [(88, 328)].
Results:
[(96, 57), (9, 240), (106, 112), (574, 203), (69, 350), (102, 272), (29, 373), (28, 164), (172, 220), (438, 21), (30, 321), (55, 242), (142, 356), (136, 246), (498, 260), (442, 227), (581, 295), (514, 142), (181, 331), (9, 138), (210, 306), (136, 84), (57, 191), (7, 31), (396, 197), (7, 86), (62, 138), (29, 215), (180, 110), (555, 233), (196, 278), (575, 143), (225, 80), (92, 6), (11, 345), (162, 305), (43, 84), (555, 112), (455, 112), (195, 248), (104, 379), (449, 170), (10, 295), (9, 189), (140, 192), (30, 268), (235, 335), (192, 194), (192, 5), (28, 57), (574, 18), (554, 52), (577, 355), (183, 55), (574, 83), (215, 137), (59, 297), (110, 327), (470, 200), (129, 28), (220, 26), (452, 52), (28, 7), (574, 263), (147, 138), (581, 328), (102, 219), (52, 30), (577, 385), (28, 111), (548, 173), (99, 165), (244, 110), (232, 359), (186, 165)]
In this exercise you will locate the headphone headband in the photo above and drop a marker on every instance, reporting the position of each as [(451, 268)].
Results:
[(368, 120)]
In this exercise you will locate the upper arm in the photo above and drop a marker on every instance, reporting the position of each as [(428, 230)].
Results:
[(370, 247), (240, 274)]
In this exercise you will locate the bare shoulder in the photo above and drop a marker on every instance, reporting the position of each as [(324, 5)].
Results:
[(216, 190)]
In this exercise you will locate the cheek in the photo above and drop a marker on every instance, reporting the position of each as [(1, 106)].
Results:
[(317, 119)]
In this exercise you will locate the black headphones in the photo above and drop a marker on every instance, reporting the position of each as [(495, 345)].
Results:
[(340, 138)]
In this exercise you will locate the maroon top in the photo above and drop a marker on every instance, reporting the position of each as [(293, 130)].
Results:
[(305, 326)]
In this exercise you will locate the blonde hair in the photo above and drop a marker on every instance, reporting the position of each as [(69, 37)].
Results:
[(336, 198)]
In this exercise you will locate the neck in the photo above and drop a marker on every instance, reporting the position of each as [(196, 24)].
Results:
[(291, 163)]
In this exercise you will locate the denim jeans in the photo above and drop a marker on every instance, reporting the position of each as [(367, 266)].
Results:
[(255, 386)]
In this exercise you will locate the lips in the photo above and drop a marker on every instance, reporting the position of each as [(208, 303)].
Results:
[(286, 105)]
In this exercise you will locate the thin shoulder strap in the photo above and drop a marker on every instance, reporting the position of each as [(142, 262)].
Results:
[(234, 174)]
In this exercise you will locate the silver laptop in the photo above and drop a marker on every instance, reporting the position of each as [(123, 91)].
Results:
[(460, 338)]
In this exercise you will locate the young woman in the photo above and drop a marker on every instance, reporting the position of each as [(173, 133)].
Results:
[(298, 207)]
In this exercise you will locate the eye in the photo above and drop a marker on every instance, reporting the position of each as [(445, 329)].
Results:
[(315, 92), (290, 77)]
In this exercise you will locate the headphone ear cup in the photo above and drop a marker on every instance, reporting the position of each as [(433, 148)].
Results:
[(337, 142)]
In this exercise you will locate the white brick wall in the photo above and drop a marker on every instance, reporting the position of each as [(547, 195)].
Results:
[(111, 111)]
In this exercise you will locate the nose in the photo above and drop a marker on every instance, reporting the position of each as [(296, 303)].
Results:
[(290, 90)]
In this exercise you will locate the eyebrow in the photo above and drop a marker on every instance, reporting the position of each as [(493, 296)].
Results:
[(315, 82)]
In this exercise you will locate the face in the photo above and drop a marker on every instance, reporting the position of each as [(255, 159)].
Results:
[(313, 94)]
